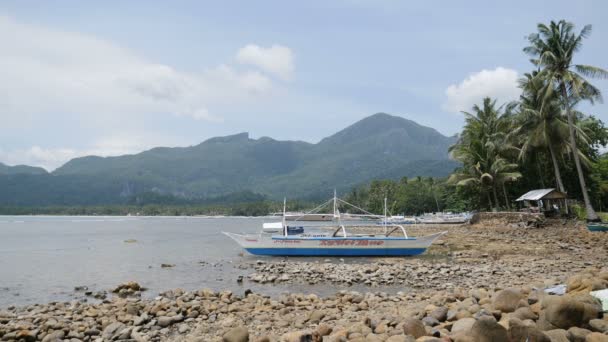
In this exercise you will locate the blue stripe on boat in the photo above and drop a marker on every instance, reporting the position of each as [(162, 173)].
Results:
[(336, 251), (597, 228)]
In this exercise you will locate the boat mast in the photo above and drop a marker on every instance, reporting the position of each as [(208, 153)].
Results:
[(385, 199), (335, 200), (284, 221)]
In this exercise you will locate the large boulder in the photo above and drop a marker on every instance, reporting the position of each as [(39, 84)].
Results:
[(507, 300), (599, 325), (486, 329), (440, 313), (520, 332), (557, 335), (561, 313), (238, 334), (596, 337), (576, 334), (462, 326), (111, 330), (586, 282), (414, 327), (525, 313)]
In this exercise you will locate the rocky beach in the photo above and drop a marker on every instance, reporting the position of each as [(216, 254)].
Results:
[(480, 282)]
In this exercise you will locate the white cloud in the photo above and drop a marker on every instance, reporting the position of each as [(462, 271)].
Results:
[(500, 83), (45, 70), (277, 59), (37, 156), (76, 84), (51, 158)]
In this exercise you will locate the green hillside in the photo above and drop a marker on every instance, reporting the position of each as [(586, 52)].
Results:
[(21, 169), (379, 146)]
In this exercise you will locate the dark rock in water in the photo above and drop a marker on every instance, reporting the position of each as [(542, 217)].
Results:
[(239, 334), (80, 288), (131, 285), (239, 279), (167, 265)]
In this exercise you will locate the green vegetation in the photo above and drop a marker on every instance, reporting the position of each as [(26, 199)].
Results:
[(540, 141), (380, 146), (412, 196)]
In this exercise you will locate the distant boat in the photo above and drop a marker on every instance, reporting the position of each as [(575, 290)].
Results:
[(397, 219), (296, 216), (598, 227), (338, 240), (444, 218)]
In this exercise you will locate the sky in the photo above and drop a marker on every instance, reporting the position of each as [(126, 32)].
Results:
[(116, 77)]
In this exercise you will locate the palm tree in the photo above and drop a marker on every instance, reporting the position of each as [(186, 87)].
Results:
[(553, 49), (482, 148), (542, 127)]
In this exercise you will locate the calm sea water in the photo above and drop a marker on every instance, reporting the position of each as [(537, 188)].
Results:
[(42, 258)]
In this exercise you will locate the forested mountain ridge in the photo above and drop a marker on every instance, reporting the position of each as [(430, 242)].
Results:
[(379, 146)]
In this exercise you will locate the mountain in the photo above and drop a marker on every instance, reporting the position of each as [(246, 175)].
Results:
[(379, 146), (21, 169)]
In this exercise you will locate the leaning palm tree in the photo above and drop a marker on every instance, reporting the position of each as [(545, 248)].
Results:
[(541, 125), (553, 49)]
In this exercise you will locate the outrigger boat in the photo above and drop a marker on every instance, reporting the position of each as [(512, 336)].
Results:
[(337, 240), (598, 227)]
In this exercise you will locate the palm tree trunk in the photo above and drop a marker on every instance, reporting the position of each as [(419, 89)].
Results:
[(495, 197), (591, 215), (504, 191), (558, 176), (489, 201), (540, 174)]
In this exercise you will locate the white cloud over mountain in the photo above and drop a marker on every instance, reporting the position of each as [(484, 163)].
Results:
[(500, 83), (277, 59), (49, 75)]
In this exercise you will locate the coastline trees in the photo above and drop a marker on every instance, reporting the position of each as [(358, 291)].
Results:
[(553, 48), (483, 149)]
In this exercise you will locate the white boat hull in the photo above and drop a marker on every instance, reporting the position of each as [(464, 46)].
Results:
[(325, 245)]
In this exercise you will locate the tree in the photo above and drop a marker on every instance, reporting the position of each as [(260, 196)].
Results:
[(483, 148), (541, 125), (553, 49)]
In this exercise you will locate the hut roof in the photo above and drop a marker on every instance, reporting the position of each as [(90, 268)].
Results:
[(540, 194)]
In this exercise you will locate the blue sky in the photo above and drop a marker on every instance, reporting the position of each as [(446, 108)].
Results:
[(114, 77)]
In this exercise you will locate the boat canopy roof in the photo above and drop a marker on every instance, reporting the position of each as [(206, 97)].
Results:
[(540, 194)]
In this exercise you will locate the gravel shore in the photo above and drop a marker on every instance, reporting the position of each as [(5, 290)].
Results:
[(478, 283)]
